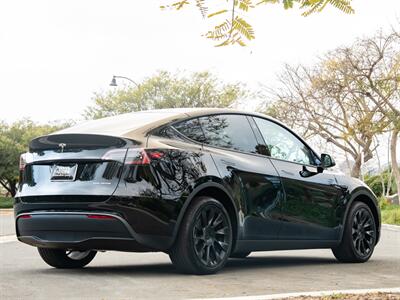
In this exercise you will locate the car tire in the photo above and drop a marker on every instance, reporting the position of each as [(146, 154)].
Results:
[(240, 255), (359, 236), (204, 241), (64, 259)]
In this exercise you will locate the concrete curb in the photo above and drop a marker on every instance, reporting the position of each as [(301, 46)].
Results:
[(6, 212), (312, 294), (8, 238)]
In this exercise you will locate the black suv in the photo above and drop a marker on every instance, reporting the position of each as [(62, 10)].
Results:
[(202, 185)]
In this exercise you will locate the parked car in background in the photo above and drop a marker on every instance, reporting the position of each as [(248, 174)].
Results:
[(202, 185)]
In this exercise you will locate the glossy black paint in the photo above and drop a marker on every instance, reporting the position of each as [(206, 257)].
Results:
[(272, 203)]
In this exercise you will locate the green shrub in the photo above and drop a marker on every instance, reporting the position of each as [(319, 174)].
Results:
[(383, 202), (391, 214), (6, 202), (374, 182)]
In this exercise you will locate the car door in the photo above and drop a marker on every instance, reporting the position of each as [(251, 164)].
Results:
[(251, 177), (311, 198)]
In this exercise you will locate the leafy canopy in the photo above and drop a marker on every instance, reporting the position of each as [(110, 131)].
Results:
[(14, 140), (348, 98), (232, 27), (166, 90)]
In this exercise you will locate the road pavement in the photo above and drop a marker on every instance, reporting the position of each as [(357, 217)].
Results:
[(119, 275)]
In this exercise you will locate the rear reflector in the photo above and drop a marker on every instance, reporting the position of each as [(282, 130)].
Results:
[(25, 217), (100, 217)]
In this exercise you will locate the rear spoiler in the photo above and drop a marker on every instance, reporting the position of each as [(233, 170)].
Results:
[(75, 141)]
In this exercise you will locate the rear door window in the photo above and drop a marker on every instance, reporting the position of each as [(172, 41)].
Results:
[(191, 129), (229, 131)]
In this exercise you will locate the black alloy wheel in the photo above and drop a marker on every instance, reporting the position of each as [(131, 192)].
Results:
[(363, 232), (211, 235), (359, 235), (205, 238)]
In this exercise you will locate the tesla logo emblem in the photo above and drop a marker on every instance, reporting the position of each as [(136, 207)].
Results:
[(62, 146)]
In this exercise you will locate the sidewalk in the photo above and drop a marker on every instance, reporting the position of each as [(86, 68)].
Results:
[(7, 222)]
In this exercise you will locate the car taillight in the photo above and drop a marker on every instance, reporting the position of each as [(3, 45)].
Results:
[(141, 156)]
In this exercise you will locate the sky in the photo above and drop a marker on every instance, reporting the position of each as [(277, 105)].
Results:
[(55, 54)]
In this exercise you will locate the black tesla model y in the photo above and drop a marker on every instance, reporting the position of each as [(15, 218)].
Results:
[(202, 185)]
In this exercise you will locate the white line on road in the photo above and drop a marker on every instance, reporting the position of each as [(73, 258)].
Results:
[(8, 239), (312, 294)]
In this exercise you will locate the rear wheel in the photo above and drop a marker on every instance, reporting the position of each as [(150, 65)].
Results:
[(66, 259), (359, 236), (205, 238)]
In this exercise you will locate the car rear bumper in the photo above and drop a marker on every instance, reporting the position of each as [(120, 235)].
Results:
[(77, 230)]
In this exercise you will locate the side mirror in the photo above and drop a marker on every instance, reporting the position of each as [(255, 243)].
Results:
[(327, 161)]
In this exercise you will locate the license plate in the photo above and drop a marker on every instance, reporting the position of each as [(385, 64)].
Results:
[(64, 172)]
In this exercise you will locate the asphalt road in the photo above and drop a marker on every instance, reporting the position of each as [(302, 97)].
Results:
[(118, 275)]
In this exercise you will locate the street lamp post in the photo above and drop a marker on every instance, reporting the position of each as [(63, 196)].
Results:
[(114, 80)]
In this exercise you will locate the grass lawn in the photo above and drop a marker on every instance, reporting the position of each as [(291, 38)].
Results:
[(6, 202), (391, 214)]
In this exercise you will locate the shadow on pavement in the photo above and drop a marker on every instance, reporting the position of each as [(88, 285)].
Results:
[(277, 262), (167, 269)]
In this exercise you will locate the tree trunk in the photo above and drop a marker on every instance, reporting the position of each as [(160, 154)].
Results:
[(10, 186), (380, 172), (395, 166), (390, 170), (356, 169), (13, 188)]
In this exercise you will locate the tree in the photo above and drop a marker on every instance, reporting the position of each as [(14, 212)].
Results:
[(166, 90), (376, 69), (14, 141), (347, 98), (233, 27)]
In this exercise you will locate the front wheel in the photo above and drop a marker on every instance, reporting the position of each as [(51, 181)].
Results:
[(205, 238), (66, 259), (359, 236)]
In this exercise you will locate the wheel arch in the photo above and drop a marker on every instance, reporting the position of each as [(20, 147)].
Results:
[(219, 192)]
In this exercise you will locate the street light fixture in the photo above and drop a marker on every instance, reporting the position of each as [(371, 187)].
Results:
[(114, 80)]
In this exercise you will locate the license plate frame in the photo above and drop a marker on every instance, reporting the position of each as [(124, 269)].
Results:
[(64, 172)]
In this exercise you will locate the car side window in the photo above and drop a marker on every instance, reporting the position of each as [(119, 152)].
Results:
[(229, 131), (191, 129), (282, 144)]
